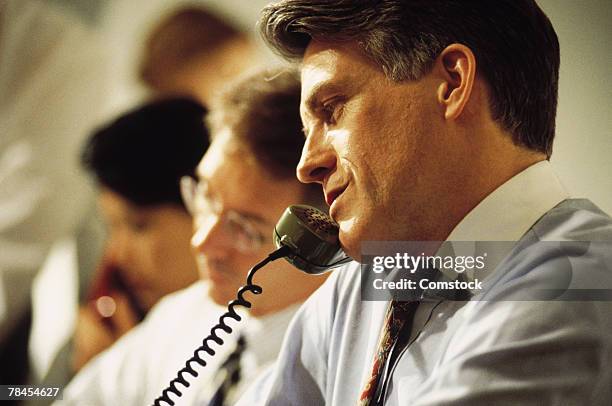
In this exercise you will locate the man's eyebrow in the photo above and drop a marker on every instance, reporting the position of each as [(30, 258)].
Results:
[(247, 214), (313, 100), (254, 217)]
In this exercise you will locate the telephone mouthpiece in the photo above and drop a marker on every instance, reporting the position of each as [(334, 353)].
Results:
[(312, 237)]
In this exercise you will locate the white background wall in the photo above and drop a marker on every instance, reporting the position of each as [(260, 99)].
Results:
[(583, 149)]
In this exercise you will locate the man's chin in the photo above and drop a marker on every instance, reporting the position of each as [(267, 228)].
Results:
[(221, 294), (350, 246), (353, 233), (220, 298)]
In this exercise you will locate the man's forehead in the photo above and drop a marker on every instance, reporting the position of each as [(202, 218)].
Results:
[(319, 64), (321, 69), (331, 66), (224, 149), (314, 78), (224, 170)]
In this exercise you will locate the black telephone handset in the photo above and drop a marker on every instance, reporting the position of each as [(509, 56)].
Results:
[(304, 236), (108, 281), (312, 238)]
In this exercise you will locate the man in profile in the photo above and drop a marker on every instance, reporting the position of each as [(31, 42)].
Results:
[(433, 121)]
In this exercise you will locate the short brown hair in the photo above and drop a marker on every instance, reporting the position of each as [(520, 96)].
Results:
[(179, 38), (514, 42), (263, 111)]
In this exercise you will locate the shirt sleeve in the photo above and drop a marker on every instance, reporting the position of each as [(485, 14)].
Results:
[(513, 349), (527, 353)]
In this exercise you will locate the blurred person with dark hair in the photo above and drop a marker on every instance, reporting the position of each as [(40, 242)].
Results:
[(138, 161), (242, 186), (433, 121), (193, 51)]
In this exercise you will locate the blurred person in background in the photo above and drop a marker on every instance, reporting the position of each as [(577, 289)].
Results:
[(138, 161), (193, 52), (244, 182), (53, 81)]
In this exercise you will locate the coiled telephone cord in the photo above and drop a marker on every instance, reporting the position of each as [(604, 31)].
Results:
[(213, 337)]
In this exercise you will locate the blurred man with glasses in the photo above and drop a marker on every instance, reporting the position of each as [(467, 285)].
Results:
[(244, 182)]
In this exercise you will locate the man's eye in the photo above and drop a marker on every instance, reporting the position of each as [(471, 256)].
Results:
[(138, 223), (331, 112), (139, 226), (234, 226)]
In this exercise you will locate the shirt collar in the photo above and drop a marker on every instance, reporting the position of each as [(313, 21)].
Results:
[(506, 214), (510, 210)]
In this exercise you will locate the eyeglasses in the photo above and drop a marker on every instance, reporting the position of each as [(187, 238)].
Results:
[(196, 196)]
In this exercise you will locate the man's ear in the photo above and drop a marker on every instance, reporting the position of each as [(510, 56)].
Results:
[(457, 65)]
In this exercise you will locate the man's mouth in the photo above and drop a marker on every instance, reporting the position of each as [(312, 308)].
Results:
[(217, 272), (216, 275), (333, 194)]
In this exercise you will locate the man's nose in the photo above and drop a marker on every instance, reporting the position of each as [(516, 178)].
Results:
[(210, 236), (318, 160)]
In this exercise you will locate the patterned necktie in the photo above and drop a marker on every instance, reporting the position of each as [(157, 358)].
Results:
[(230, 374), (398, 317)]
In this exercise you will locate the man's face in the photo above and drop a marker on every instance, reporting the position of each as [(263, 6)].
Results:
[(373, 144), (145, 243), (240, 186)]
